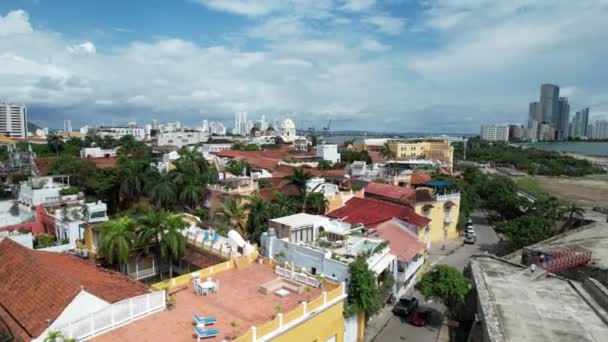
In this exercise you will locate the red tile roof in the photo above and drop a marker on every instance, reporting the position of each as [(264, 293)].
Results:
[(420, 178), (371, 212), (103, 163), (391, 192), (402, 242), (36, 287)]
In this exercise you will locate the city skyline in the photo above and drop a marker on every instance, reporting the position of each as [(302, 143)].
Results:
[(379, 66)]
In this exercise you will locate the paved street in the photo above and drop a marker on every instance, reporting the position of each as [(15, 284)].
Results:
[(386, 327)]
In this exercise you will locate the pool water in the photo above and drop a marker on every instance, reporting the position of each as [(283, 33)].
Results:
[(367, 245)]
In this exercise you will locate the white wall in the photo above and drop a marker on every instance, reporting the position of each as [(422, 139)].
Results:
[(82, 305), (328, 152)]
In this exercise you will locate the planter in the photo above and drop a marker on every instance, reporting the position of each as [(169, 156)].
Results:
[(260, 261)]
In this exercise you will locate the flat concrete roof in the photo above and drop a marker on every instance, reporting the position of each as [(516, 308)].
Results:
[(301, 219), (593, 237), (520, 305)]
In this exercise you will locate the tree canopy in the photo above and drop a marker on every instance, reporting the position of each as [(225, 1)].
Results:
[(444, 284), (363, 293)]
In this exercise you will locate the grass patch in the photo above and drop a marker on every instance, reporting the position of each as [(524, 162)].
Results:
[(529, 185)]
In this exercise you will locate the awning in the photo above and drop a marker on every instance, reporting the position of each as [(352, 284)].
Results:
[(382, 264)]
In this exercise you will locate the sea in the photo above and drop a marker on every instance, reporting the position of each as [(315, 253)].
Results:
[(599, 149)]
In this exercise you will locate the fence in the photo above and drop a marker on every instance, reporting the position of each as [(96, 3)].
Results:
[(283, 322), (219, 248), (185, 279), (114, 315), (299, 277)]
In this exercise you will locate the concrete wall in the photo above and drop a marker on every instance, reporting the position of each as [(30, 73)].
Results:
[(321, 327)]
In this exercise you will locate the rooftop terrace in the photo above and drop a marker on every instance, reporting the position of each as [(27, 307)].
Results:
[(238, 299)]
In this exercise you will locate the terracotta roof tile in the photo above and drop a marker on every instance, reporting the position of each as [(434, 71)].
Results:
[(391, 192), (402, 242), (420, 178), (371, 212), (103, 163), (37, 286), (424, 195)]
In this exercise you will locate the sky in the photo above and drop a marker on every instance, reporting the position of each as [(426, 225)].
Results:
[(381, 65)]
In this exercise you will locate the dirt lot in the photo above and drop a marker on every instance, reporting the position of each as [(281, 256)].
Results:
[(589, 191)]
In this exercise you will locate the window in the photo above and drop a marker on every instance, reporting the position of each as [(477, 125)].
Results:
[(97, 214)]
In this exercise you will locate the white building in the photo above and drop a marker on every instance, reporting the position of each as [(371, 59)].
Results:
[(67, 125), (240, 123), (84, 129), (180, 138), (42, 190), (318, 184), (217, 146), (288, 130), (217, 128), (495, 132), (599, 130), (117, 132), (69, 221), (328, 152), (13, 120), (97, 152)]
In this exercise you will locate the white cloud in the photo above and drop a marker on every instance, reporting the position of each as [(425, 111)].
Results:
[(243, 7), (386, 24), (86, 48), (373, 45), (278, 28), (357, 5), (15, 22)]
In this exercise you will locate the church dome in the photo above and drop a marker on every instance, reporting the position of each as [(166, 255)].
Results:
[(288, 124)]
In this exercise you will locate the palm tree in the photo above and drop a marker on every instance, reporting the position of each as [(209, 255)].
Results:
[(259, 214), (191, 162), (299, 178), (54, 336), (173, 241), (163, 193), (192, 194), (386, 152), (134, 177), (575, 213), (282, 205), (117, 239), (317, 202), (54, 142), (233, 214), (151, 228)]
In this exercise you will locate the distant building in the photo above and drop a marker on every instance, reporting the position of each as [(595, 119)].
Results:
[(117, 132), (42, 190), (328, 152), (516, 132), (240, 123), (432, 149), (599, 129), (561, 121), (549, 103), (13, 120), (495, 132), (546, 132), (180, 138), (551, 110), (67, 125), (580, 123)]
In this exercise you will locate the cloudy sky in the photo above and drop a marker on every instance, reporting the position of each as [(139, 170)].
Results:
[(384, 65)]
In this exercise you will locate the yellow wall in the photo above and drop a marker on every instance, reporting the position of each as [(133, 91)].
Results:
[(318, 328), (433, 149), (437, 225)]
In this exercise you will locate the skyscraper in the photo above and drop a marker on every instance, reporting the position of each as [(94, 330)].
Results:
[(67, 125), (13, 120), (562, 118), (549, 98), (580, 123), (534, 119)]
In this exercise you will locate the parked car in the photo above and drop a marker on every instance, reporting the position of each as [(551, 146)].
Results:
[(419, 318), (471, 239), (405, 306)]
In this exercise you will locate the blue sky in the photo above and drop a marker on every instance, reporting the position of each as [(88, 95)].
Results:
[(392, 65)]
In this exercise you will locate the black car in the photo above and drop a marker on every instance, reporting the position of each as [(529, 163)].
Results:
[(405, 306)]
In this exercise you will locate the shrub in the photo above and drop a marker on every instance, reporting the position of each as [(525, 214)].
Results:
[(72, 190)]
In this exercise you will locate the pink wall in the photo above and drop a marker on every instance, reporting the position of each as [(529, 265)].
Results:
[(44, 223)]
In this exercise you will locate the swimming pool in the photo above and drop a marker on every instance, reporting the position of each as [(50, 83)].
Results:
[(367, 245)]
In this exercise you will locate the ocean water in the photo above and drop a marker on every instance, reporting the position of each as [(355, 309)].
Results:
[(590, 149)]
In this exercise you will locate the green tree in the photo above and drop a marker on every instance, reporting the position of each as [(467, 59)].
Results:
[(151, 228), (317, 203), (324, 165), (363, 293), (54, 336), (386, 152), (82, 173), (173, 241), (192, 194), (299, 178), (282, 205), (55, 143), (134, 178), (236, 167), (233, 214), (130, 149), (117, 239), (444, 284), (574, 214), (526, 230), (259, 214), (163, 191), (108, 142)]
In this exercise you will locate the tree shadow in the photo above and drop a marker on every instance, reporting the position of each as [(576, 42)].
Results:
[(500, 248)]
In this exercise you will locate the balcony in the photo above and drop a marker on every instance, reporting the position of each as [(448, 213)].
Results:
[(454, 196)]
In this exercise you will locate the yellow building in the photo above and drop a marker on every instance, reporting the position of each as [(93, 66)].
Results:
[(430, 149), (443, 210)]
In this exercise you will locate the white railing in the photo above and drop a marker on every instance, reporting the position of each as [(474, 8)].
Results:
[(148, 272), (448, 197), (299, 277), (114, 316), (412, 267)]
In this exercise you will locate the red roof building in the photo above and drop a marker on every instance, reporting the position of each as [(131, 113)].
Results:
[(36, 287), (371, 213), (43, 164), (402, 242), (390, 193), (419, 178)]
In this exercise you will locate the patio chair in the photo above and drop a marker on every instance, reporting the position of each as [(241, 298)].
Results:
[(202, 333), (199, 320), (206, 236), (216, 288), (216, 237)]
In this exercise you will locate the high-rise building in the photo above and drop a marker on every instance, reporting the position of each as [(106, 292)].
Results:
[(495, 132), (13, 120), (562, 119), (580, 123), (67, 125), (516, 132), (549, 98), (599, 130), (534, 119), (240, 123)]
